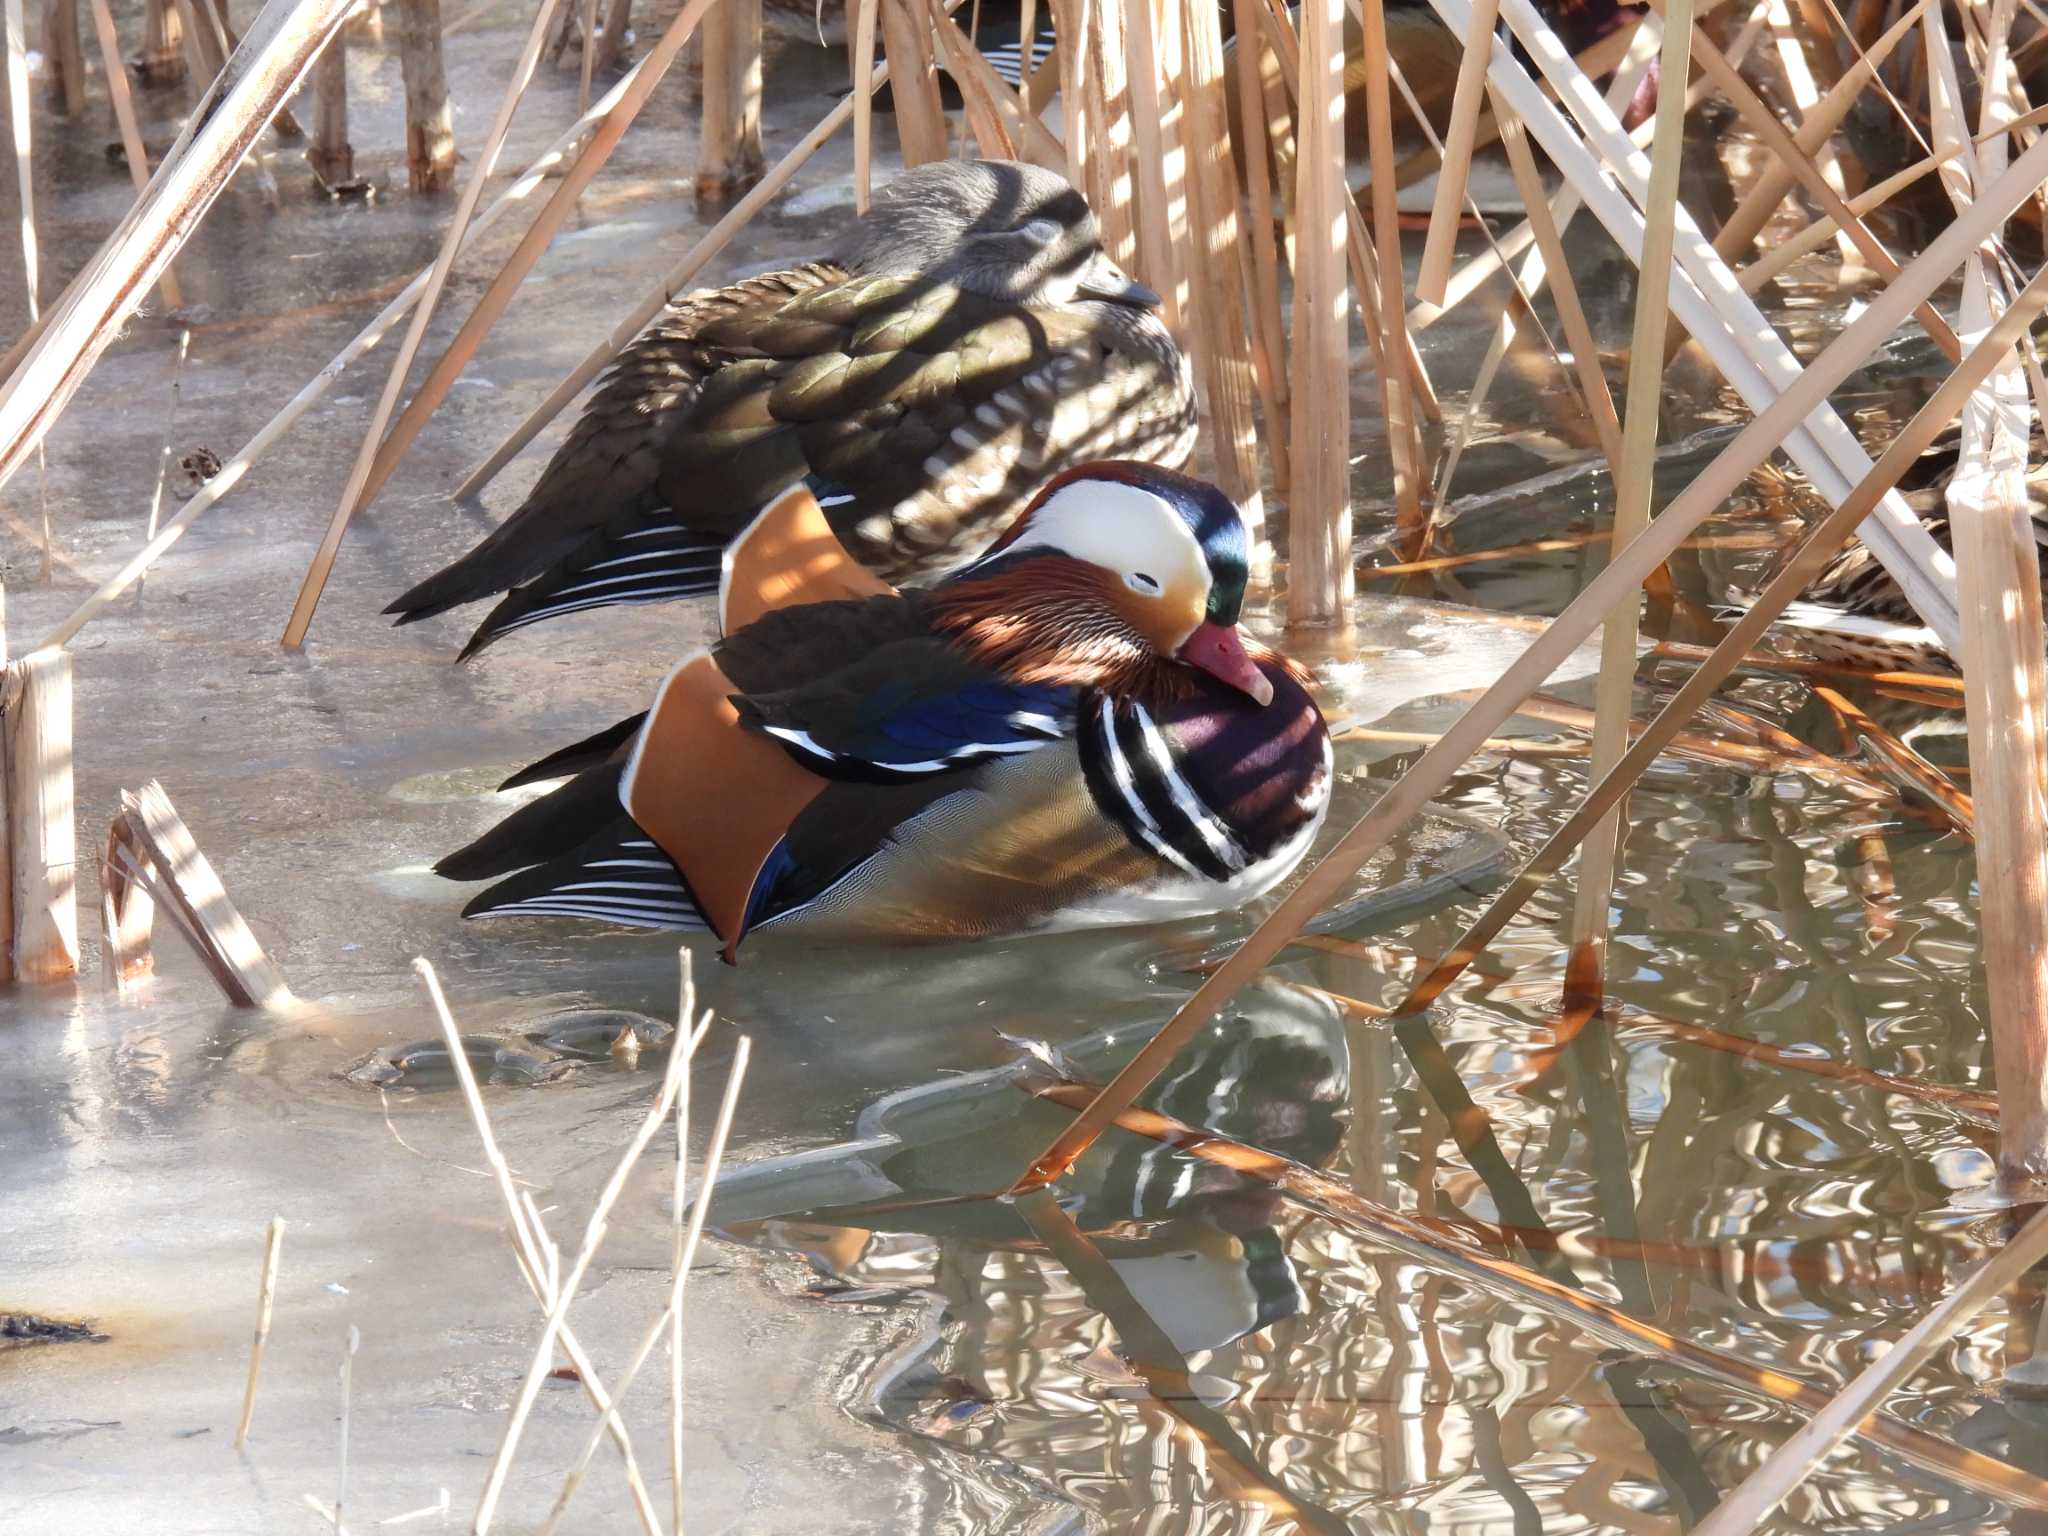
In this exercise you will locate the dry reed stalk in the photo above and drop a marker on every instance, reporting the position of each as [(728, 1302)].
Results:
[(1634, 1023), (42, 849), (24, 177), (1628, 71), (1781, 753), (529, 1243), (330, 156), (1708, 302), (429, 122), (266, 1296), (1319, 580), (1571, 314), (1817, 234), (660, 1328), (1109, 176), (162, 60), (1404, 439), (1218, 266), (1269, 340), (1758, 540), (1931, 683), (1634, 484), (997, 113), (131, 133), (281, 46), (127, 909), (588, 61), (674, 282), (1750, 1505), (1622, 575), (686, 1241), (352, 493), (1455, 160), (914, 82), (1910, 767), (593, 1238), (729, 155), (315, 388), (863, 63), (1764, 123), (1805, 95), (1536, 268), (1806, 562), (1442, 1246), (595, 152), (348, 1376), (1157, 265), (612, 42), (1775, 178), (61, 42)]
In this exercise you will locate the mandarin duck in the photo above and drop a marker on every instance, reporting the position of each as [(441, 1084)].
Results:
[(1855, 612), (968, 339), (1067, 733)]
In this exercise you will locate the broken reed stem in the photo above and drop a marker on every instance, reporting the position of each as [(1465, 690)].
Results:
[(131, 134), (595, 152), (729, 137), (1750, 1505), (593, 1238), (280, 47), (266, 1295), (529, 1249), (1621, 577), (1447, 1249), (1441, 243), (589, 59), (1269, 349), (1634, 482), (907, 45), (163, 458), (318, 386), (348, 1374), (661, 1325), (1783, 588), (352, 492)]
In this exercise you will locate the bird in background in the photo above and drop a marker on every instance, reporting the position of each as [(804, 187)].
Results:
[(1069, 732), (966, 340)]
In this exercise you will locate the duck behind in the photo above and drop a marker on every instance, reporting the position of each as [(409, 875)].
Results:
[(966, 340), (1068, 733)]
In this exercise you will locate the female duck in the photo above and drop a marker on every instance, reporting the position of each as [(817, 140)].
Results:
[(968, 339), (1068, 733)]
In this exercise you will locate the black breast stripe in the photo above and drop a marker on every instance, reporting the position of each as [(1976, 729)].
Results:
[(1129, 789)]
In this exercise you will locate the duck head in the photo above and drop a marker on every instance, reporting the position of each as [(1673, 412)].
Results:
[(1117, 576), (996, 227)]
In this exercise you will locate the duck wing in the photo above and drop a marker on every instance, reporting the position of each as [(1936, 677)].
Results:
[(921, 415), (909, 710), (612, 458)]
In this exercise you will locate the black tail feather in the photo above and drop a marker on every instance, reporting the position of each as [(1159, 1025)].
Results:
[(591, 752), (618, 876), (555, 824), (653, 559)]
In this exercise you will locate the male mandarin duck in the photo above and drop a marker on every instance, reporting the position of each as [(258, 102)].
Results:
[(967, 340), (1067, 733)]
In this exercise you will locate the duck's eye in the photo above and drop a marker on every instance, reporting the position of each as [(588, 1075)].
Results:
[(1138, 581), (1040, 231)]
